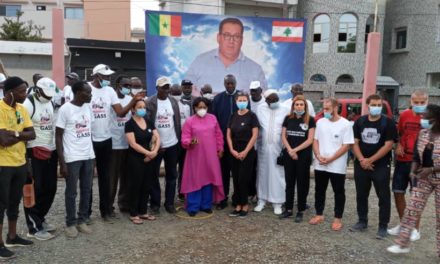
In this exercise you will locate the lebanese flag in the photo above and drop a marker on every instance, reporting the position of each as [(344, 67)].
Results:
[(287, 31)]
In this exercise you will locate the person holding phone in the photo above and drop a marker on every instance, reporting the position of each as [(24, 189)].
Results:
[(203, 140)]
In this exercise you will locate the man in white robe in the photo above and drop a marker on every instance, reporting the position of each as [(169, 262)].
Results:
[(271, 183)]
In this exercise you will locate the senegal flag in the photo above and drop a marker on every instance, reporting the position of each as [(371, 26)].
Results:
[(165, 25)]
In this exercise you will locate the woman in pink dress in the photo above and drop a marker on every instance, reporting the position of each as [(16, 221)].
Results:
[(203, 141)]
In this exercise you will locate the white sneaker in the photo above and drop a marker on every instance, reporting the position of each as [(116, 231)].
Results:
[(260, 206), (41, 235), (48, 227), (415, 235), (84, 228), (397, 249), (394, 231), (71, 231), (277, 209)]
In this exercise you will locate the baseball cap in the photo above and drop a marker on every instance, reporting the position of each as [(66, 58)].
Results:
[(48, 86), (72, 75), (254, 85), (2, 77), (102, 69), (161, 81), (186, 82)]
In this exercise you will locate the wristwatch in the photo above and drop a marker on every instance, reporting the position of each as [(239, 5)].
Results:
[(17, 134)]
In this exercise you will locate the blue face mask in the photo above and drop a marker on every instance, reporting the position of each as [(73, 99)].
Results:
[(419, 109), (242, 105), (375, 110), (328, 115), (275, 105), (125, 90), (104, 83), (141, 112), (425, 124), (300, 113)]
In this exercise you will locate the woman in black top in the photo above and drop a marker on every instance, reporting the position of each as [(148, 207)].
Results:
[(241, 136), (297, 137), (143, 140)]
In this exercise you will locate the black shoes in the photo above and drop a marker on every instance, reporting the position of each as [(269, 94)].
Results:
[(170, 209), (299, 217), (5, 253), (381, 233), (360, 227), (286, 214), (208, 211), (234, 213), (192, 214), (222, 205), (17, 242), (243, 214), (155, 210)]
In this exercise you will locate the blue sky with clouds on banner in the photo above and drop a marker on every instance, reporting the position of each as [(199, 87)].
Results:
[(282, 63)]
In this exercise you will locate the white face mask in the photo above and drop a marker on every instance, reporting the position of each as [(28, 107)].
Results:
[(135, 91), (208, 96), (202, 112), (177, 97)]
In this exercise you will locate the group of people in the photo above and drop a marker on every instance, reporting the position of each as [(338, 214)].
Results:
[(265, 145)]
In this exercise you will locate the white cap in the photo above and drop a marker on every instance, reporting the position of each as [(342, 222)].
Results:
[(102, 69), (254, 85), (161, 81), (48, 86), (269, 92)]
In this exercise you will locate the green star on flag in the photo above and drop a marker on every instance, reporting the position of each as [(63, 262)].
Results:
[(164, 25)]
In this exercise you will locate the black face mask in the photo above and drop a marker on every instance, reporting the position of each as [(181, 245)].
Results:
[(186, 97)]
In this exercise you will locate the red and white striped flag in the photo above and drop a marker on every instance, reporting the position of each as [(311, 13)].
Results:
[(287, 31)]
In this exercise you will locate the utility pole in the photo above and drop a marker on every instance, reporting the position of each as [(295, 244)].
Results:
[(375, 15), (285, 9)]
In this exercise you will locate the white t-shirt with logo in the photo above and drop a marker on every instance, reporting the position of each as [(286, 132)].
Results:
[(185, 112), (44, 124), (77, 138), (118, 126), (331, 136), (102, 101), (165, 123), (67, 93)]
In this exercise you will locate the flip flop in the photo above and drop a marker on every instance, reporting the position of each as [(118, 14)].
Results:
[(147, 217), (136, 220)]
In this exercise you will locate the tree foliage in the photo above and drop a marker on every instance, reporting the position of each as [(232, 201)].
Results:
[(14, 29)]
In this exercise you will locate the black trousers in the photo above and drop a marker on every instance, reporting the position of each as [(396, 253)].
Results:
[(45, 186), (118, 176), (338, 184), (253, 180), (226, 167), (170, 156), (140, 175), (380, 178), (242, 175), (182, 155), (103, 153), (297, 172), (12, 180)]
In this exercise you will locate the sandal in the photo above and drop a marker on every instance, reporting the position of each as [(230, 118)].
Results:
[(147, 217), (136, 220), (337, 224), (317, 219)]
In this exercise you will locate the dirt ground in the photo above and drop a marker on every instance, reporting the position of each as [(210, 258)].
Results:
[(259, 238)]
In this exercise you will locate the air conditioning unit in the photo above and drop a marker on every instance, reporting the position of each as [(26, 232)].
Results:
[(41, 8)]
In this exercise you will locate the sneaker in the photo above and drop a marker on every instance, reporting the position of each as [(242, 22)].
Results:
[(286, 214), (277, 209), (170, 209), (42, 235), (260, 206), (299, 217), (48, 227), (358, 227), (234, 213), (394, 231), (71, 231), (5, 253), (17, 242), (381, 233), (415, 235), (83, 228), (397, 249), (243, 214)]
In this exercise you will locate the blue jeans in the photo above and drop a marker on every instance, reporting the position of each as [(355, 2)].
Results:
[(199, 200), (83, 171)]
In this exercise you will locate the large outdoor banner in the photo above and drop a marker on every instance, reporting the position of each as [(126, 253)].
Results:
[(205, 48)]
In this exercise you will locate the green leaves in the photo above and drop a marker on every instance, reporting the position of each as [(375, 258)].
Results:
[(14, 29)]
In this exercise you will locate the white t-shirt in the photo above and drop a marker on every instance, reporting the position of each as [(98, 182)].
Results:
[(102, 101), (185, 112), (165, 123), (118, 126), (77, 138), (288, 103), (44, 123), (331, 136), (67, 93), (255, 105)]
